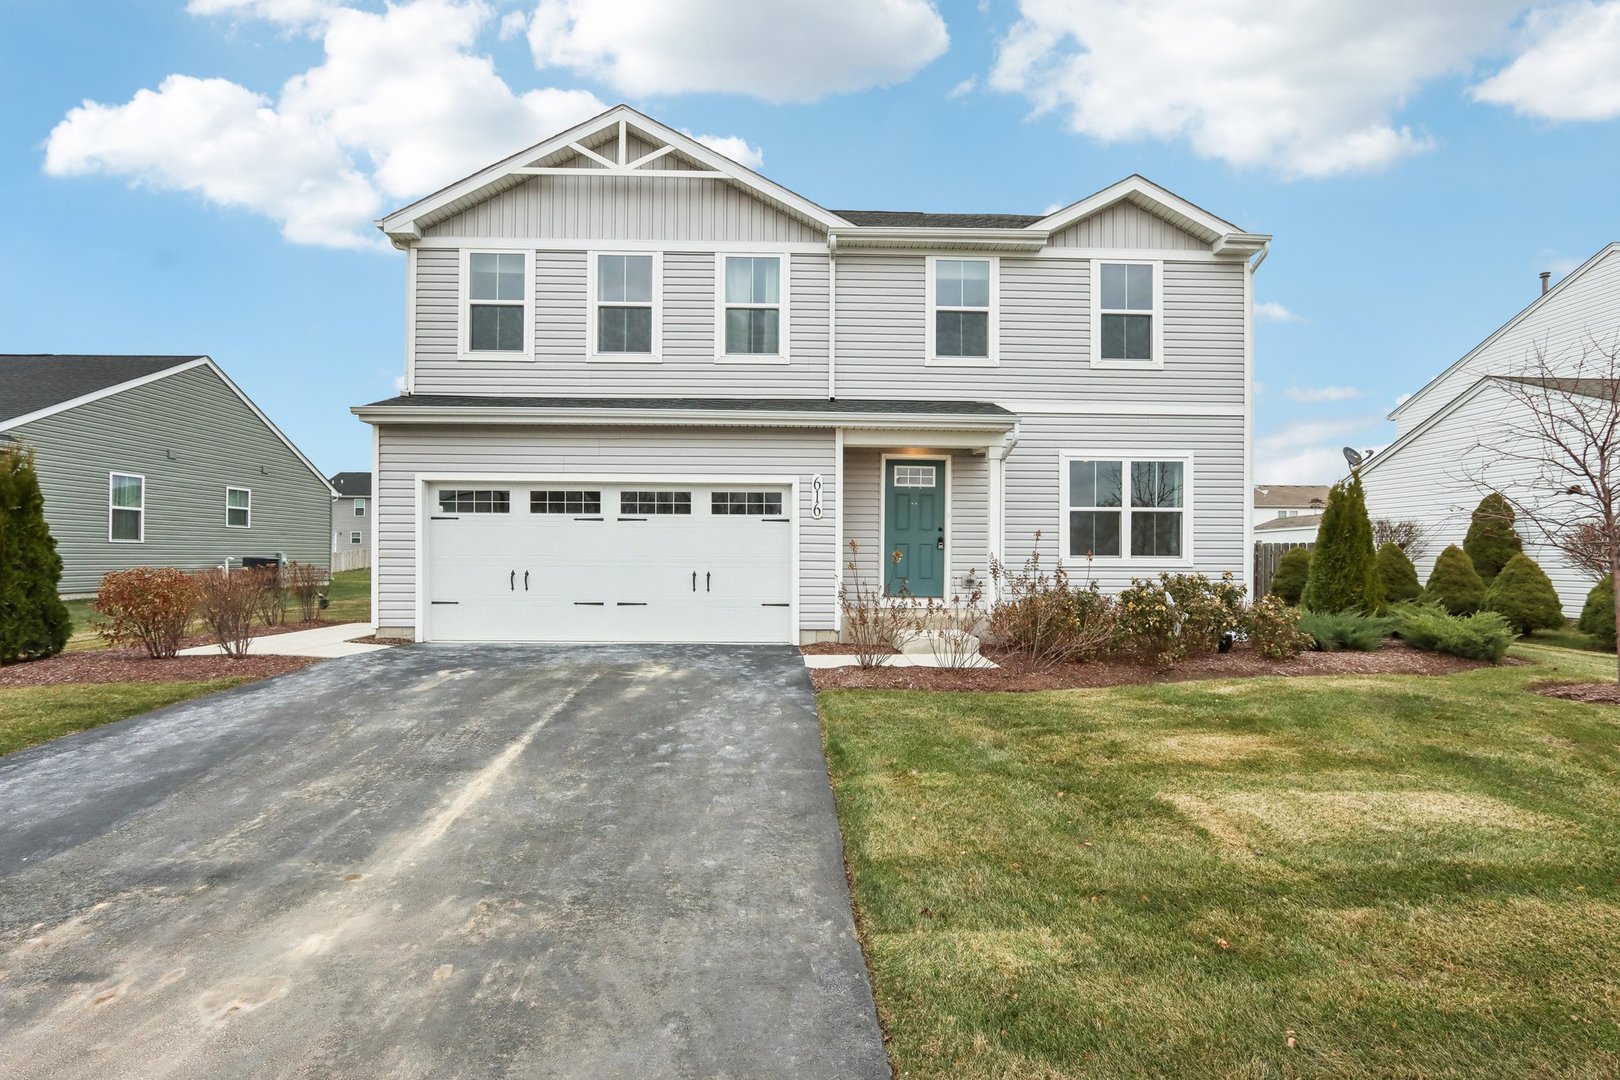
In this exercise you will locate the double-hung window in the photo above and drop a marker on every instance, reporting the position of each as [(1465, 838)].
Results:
[(238, 508), (752, 311), (497, 304), (962, 311), (1126, 324), (1115, 506), (359, 508), (126, 508), (625, 326), (354, 537)]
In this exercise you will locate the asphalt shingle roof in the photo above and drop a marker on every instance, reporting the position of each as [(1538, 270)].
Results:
[(844, 405), (916, 219), (30, 382), (1290, 494), (352, 484)]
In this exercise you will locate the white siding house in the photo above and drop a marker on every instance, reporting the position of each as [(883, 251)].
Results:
[(652, 395)]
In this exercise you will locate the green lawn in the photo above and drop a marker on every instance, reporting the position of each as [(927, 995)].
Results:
[(1569, 638), (36, 714), (1409, 877)]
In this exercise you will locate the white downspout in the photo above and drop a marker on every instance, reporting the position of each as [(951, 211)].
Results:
[(832, 317)]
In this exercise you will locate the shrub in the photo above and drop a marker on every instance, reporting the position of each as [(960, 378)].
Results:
[(872, 622), (34, 622), (1398, 574), (272, 602), (1273, 629), (1046, 617), (1148, 624), (1453, 583), (228, 601), (1597, 617), (1491, 539), (150, 605), (1209, 613), (1524, 596), (1410, 536), (1344, 566), (304, 586), (1333, 631), (1292, 570), (1484, 635)]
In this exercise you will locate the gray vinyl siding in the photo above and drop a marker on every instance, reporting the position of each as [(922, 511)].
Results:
[(626, 208), (1045, 308), (497, 452), (562, 310), (1126, 225), (191, 437), (344, 523), (967, 505)]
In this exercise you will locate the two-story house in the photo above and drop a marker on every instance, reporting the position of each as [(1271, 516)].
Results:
[(652, 396), (351, 512)]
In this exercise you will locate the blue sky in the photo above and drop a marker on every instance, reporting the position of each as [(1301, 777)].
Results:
[(1417, 166)]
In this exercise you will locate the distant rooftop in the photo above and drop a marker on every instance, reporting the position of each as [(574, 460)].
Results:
[(33, 381), (352, 484), (1299, 521), (916, 219), (1290, 494)]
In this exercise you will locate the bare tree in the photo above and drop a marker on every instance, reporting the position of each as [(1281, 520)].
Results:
[(1411, 537), (1556, 459)]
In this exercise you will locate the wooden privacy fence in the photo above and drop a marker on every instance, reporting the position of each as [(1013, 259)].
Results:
[(1266, 558), (351, 559)]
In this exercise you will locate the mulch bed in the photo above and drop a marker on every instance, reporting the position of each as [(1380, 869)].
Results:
[(1394, 658), (1594, 693), (133, 665), (835, 648)]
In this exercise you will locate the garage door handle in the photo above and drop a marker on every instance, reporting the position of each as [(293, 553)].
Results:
[(525, 581), (632, 519), (588, 519), (438, 602), (694, 581), (437, 517), (632, 603), (707, 581), (783, 521), (776, 605), (588, 603)]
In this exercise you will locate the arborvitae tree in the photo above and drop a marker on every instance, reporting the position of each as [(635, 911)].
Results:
[(1491, 539), (1398, 574), (34, 622), (1344, 566), (1454, 584), (1292, 569), (1524, 596), (1597, 617)]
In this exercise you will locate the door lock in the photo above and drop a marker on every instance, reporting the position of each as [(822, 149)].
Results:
[(940, 544)]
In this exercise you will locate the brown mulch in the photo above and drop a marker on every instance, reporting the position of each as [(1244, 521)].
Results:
[(133, 665), (1394, 658), (1594, 693), (836, 647)]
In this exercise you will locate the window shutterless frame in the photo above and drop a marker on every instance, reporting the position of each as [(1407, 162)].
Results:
[(359, 508), (594, 306), (119, 502), (238, 508), (1127, 512), (1155, 312), (525, 303), (354, 537), (990, 308), (724, 303)]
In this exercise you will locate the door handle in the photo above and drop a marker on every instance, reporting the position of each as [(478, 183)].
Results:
[(706, 581), (525, 581), (512, 584)]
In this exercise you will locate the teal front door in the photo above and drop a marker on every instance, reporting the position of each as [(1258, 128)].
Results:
[(914, 527)]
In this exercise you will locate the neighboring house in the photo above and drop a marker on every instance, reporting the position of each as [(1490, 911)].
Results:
[(1292, 529), (1272, 501), (652, 396), (1452, 436), (351, 512), (159, 461)]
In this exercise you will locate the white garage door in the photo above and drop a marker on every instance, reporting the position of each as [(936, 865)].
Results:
[(642, 562)]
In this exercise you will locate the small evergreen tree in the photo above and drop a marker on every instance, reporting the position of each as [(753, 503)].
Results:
[(1491, 539), (1398, 574), (34, 622), (1524, 595), (1454, 584), (1292, 569), (1344, 566), (1597, 617)]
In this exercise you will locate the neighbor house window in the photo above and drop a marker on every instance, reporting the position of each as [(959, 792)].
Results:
[(565, 502), (751, 309), (238, 508), (354, 537), (359, 508), (1116, 505), (655, 502), (626, 312), (126, 508), (497, 302), (746, 503), (475, 502), (962, 318), (1125, 316)]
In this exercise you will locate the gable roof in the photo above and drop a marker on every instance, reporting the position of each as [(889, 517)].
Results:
[(1289, 494), (33, 382), (352, 484), (1158, 201), (1533, 306), (1301, 521), (915, 219)]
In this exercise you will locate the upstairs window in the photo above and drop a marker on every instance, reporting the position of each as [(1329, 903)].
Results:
[(126, 508), (1117, 506), (1125, 316), (752, 305), (497, 302), (961, 322), (238, 508), (359, 508), (626, 322)]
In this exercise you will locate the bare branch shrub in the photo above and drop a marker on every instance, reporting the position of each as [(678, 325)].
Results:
[(1045, 617), (228, 602), (272, 602), (304, 581), (953, 626), (873, 623), (1410, 536), (1587, 545), (151, 605)]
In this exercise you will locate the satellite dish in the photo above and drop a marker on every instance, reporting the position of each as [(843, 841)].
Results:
[(1353, 456)]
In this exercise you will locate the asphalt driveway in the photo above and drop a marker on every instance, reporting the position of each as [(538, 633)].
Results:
[(436, 862)]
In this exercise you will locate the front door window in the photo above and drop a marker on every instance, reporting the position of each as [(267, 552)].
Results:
[(914, 527)]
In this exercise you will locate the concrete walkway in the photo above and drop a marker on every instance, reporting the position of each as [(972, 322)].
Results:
[(326, 642)]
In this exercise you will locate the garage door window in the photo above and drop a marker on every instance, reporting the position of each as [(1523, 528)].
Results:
[(746, 503), (475, 502), (655, 502), (565, 502)]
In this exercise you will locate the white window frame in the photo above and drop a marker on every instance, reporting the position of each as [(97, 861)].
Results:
[(229, 507), (359, 508), (110, 507), (993, 345), (1126, 459), (1157, 312), (592, 305), (464, 312), (355, 536), (783, 278)]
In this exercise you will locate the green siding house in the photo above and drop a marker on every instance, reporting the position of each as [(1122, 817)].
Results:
[(159, 461)]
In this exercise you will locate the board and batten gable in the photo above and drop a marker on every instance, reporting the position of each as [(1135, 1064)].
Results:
[(191, 437)]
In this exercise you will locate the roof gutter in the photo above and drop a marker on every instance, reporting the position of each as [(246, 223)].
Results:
[(575, 417)]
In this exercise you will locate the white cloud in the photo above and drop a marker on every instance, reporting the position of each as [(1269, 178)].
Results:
[(1309, 452), (1275, 312), (1052, 208), (513, 25), (734, 147), (778, 52), (964, 88), (289, 12), (1306, 90), (1402, 399), (1312, 394), (1568, 69)]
